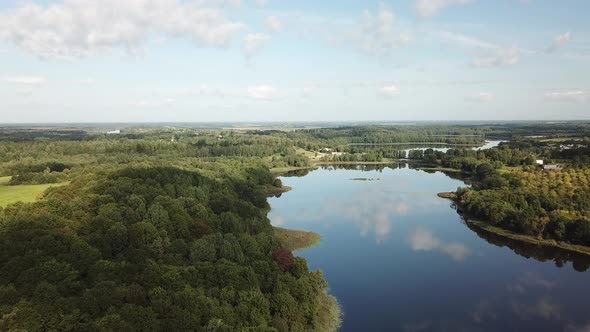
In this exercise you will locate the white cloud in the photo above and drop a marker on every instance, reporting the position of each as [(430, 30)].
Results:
[(389, 91), (82, 28), (274, 24), (567, 96), (262, 92), (500, 57), (253, 42), (482, 97), (465, 41), (377, 34), (559, 42), (429, 8), (261, 3), (24, 80), (423, 240)]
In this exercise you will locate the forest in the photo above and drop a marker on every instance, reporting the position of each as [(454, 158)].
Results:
[(151, 249), (511, 191)]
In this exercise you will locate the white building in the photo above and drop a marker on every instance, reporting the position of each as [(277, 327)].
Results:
[(539, 161)]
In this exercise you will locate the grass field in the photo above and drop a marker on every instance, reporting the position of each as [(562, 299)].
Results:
[(293, 239), (22, 193)]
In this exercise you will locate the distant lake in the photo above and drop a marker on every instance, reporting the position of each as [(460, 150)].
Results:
[(399, 258)]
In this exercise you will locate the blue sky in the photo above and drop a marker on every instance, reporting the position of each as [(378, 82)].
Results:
[(255, 60)]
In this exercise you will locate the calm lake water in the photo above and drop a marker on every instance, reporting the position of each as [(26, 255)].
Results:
[(399, 258)]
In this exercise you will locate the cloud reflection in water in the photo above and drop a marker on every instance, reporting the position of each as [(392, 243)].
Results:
[(424, 239)]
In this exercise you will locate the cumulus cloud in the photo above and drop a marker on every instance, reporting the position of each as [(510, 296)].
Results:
[(482, 97), (559, 42), (429, 8), (377, 34), (274, 24), (253, 42), (499, 57), (24, 80), (423, 239), (82, 28), (389, 91), (262, 92)]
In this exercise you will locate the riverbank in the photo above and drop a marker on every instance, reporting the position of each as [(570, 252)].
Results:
[(276, 191), (484, 226), (529, 239), (441, 169), (330, 313), (329, 310), (447, 194), (295, 239), (289, 169)]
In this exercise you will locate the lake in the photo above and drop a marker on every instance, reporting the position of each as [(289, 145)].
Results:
[(399, 258)]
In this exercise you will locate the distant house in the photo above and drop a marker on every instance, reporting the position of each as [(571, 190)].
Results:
[(113, 132), (539, 161), (551, 168)]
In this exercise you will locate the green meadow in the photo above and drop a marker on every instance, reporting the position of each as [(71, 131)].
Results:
[(21, 193)]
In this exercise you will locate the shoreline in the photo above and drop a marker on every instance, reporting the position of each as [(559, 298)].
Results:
[(271, 191), (296, 239), (289, 169), (484, 226), (330, 311), (529, 239), (440, 169)]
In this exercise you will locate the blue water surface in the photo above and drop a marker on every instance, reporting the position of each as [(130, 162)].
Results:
[(399, 258)]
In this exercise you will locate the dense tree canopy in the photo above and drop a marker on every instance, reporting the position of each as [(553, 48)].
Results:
[(150, 249)]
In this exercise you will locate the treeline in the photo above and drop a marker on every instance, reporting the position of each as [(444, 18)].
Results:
[(314, 138), (154, 249), (37, 173), (15, 157)]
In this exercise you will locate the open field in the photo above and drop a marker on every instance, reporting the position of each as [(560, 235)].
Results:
[(22, 193)]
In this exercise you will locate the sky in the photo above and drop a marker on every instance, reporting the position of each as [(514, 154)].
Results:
[(286, 60)]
